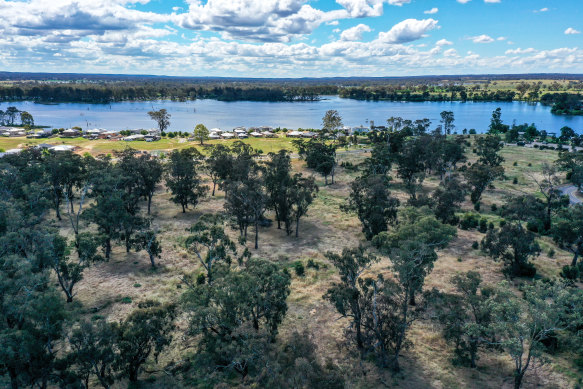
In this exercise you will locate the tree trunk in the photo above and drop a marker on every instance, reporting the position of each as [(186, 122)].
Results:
[(183, 208), (518, 380), (107, 249), (256, 233), (325, 180), (575, 257), (149, 203), (214, 186), (152, 260), (57, 209), (297, 226)]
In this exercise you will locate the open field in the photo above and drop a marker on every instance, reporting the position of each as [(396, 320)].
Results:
[(102, 146), (113, 289)]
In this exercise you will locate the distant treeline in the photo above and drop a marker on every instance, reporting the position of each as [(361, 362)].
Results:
[(145, 89), (427, 93), (105, 93)]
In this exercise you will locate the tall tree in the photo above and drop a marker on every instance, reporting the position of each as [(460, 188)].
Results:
[(319, 156), (302, 195), (447, 119), (145, 171), (63, 171), (488, 148), (521, 327), (372, 202), (26, 120), (201, 133), (211, 245), (411, 166), (146, 331), (347, 296), (161, 117), (513, 245), (331, 121), (496, 125), (183, 179), (93, 352), (567, 230), (219, 164), (278, 182), (447, 199), (479, 176), (466, 318), (548, 182)]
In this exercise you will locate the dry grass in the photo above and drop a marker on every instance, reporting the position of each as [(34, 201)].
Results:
[(426, 364)]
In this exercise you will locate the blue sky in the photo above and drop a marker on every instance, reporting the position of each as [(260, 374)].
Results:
[(292, 38)]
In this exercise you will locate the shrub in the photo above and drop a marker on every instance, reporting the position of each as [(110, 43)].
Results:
[(515, 181), (299, 269), (494, 207), (502, 223), (535, 225), (475, 245), (570, 272), (483, 226), (551, 252), (529, 164), (515, 163), (469, 220), (313, 264), (200, 279)]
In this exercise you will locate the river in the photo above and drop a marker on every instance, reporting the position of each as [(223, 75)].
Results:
[(226, 115)]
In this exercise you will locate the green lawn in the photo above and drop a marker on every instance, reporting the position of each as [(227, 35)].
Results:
[(267, 145)]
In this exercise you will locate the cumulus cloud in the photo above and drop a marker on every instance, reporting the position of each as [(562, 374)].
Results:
[(571, 31), (521, 51), (408, 30), (354, 33), (450, 53), (431, 11), (443, 42), (482, 39)]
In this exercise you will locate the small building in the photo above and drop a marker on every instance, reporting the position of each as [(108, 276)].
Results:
[(71, 133), (228, 135), (133, 138), (63, 148), (152, 138), (256, 134), (294, 134), (268, 134), (214, 135), (308, 134)]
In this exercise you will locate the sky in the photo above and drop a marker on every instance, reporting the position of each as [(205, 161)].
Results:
[(292, 38)]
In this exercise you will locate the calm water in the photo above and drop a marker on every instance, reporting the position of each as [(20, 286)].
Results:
[(226, 115)]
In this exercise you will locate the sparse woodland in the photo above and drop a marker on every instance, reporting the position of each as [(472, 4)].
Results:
[(426, 259)]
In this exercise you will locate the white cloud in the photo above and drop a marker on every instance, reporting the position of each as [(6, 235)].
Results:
[(481, 39), (571, 31), (521, 51), (354, 33), (450, 53), (545, 9), (408, 30), (491, 1), (463, 1), (431, 11), (501, 38), (443, 42)]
